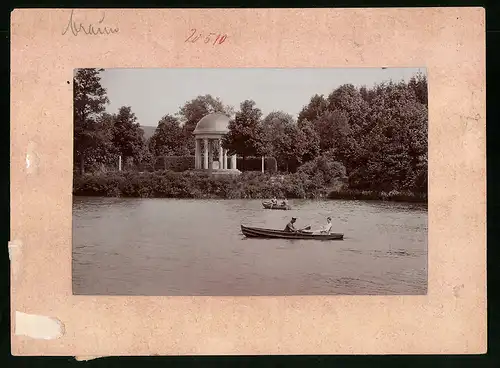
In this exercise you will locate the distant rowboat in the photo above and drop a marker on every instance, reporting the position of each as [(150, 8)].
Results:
[(270, 206), (254, 232)]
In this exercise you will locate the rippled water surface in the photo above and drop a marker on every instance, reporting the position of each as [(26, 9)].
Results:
[(195, 247)]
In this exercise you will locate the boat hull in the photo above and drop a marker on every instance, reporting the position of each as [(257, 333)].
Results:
[(270, 206), (254, 232)]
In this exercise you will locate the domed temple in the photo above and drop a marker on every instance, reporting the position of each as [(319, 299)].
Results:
[(209, 132)]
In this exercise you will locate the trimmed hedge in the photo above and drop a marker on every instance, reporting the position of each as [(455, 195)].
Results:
[(174, 163), (255, 164), (184, 163)]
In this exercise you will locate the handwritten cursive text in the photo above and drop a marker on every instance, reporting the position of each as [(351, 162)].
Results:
[(89, 29), (217, 39)]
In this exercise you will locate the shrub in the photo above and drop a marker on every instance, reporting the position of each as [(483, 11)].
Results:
[(174, 163), (325, 170), (170, 184)]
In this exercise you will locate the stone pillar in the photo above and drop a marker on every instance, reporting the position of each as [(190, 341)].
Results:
[(197, 152), (224, 159), (221, 156), (210, 157), (233, 162), (205, 156)]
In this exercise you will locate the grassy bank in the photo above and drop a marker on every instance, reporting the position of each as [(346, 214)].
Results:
[(249, 185)]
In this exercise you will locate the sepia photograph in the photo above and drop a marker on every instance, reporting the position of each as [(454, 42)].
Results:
[(250, 181)]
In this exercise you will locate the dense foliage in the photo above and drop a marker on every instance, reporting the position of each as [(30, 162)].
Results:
[(255, 164), (244, 137), (165, 141), (188, 184), (128, 137), (92, 128), (373, 139)]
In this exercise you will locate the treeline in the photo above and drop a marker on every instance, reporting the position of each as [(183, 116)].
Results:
[(100, 138), (378, 135)]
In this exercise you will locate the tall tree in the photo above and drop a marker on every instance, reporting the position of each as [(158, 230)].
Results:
[(272, 129), (395, 147), (168, 139), (291, 146), (128, 137), (90, 99), (331, 127), (312, 146), (314, 109), (245, 135), (367, 94), (349, 100), (290, 143), (418, 84), (192, 112), (276, 140)]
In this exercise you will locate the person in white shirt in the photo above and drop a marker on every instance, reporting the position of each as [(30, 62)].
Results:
[(326, 229)]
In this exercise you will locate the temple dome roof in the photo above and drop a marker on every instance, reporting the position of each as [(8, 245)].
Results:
[(215, 123)]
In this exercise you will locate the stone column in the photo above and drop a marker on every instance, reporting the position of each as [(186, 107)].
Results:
[(210, 156), (205, 157), (225, 159), (233, 162), (221, 156), (197, 152)]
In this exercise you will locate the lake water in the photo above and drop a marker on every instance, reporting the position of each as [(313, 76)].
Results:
[(132, 246)]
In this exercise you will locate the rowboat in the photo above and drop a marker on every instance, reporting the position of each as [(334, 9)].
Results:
[(254, 232), (270, 206)]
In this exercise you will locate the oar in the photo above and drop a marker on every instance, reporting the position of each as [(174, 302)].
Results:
[(306, 228)]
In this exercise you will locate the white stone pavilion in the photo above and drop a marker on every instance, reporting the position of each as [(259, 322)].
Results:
[(209, 132)]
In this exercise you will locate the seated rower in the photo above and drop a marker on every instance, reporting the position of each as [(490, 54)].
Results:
[(290, 227)]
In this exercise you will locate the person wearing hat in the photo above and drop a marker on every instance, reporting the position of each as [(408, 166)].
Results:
[(290, 227), (326, 229)]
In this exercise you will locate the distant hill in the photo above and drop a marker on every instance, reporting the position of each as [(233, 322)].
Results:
[(148, 131)]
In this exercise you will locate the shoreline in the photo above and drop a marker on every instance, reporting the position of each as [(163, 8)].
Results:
[(417, 202), (250, 185)]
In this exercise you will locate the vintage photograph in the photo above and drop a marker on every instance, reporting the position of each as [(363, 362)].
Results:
[(250, 181)]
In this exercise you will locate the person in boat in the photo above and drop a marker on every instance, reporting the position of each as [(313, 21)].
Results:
[(328, 227), (284, 202), (274, 201), (290, 227)]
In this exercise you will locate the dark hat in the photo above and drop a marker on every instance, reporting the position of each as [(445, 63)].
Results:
[(294, 218), (328, 218)]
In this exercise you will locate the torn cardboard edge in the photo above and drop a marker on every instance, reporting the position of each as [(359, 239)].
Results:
[(37, 326)]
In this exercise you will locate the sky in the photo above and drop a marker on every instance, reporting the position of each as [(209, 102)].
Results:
[(153, 93)]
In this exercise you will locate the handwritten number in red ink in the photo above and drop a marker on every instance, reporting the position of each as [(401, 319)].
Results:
[(222, 39), (217, 39), (207, 39)]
